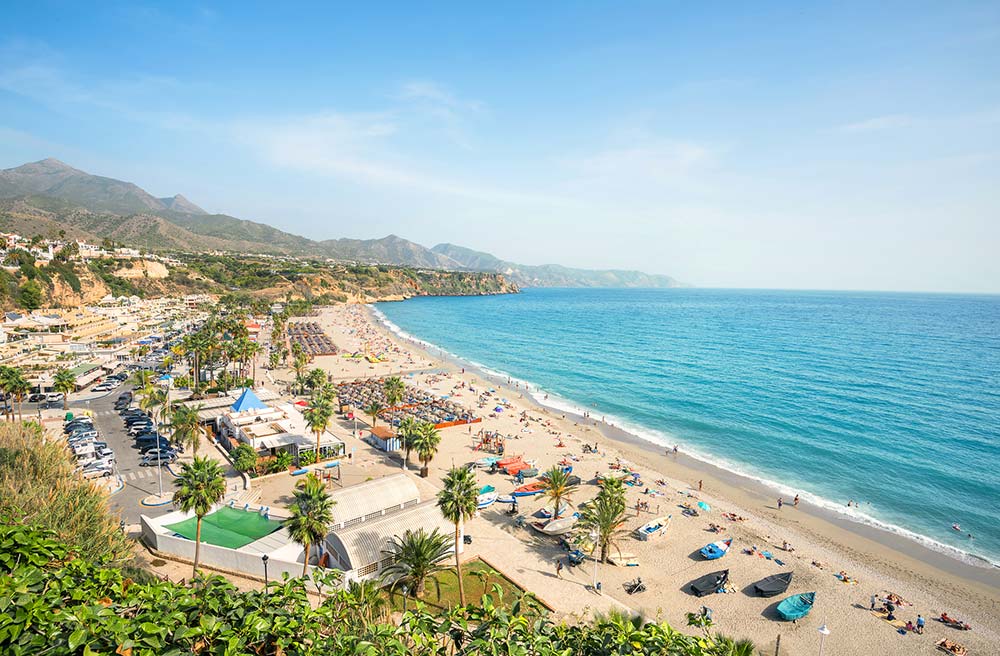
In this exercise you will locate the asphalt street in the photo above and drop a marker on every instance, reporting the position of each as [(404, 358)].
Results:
[(139, 482)]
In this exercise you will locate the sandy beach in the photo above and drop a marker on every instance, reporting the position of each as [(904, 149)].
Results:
[(822, 544)]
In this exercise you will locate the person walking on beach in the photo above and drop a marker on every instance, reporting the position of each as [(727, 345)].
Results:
[(874, 599), (920, 624), (699, 486), (780, 503), (795, 501), (559, 568)]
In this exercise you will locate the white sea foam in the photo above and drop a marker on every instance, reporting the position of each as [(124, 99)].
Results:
[(660, 438)]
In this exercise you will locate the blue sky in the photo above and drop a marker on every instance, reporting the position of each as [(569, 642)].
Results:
[(844, 145)]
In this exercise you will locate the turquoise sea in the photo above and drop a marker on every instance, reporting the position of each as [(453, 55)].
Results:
[(890, 399)]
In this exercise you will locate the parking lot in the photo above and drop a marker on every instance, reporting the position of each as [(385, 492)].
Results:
[(139, 482)]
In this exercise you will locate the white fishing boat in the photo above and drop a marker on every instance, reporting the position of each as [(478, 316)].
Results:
[(654, 528), (486, 500), (556, 526)]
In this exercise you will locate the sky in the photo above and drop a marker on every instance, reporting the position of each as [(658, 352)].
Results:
[(783, 145)]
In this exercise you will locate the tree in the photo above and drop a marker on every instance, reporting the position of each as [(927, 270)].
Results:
[(299, 365), (317, 418), (141, 379), (244, 458), (394, 390), (408, 434), (416, 557), (16, 386), (605, 516), (315, 380), (30, 295), (372, 410), (187, 426), (426, 445), (200, 485), (65, 382), (274, 359), (282, 461), (311, 515), (558, 487), (458, 502)]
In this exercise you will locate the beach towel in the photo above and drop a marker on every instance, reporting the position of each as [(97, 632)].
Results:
[(779, 562), (896, 623)]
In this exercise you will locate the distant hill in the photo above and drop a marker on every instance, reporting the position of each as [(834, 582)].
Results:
[(48, 196), (551, 275), (180, 204)]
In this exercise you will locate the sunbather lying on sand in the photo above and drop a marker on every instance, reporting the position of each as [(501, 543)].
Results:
[(951, 647)]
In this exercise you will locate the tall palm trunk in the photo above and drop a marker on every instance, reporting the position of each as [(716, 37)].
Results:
[(305, 563), (19, 401), (197, 548), (318, 434), (458, 568), (66, 402)]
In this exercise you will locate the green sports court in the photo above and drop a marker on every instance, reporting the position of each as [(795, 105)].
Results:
[(227, 527)]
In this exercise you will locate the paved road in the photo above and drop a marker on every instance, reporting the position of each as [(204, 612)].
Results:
[(140, 482)]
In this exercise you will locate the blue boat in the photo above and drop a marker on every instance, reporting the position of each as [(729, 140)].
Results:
[(797, 606), (716, 550)]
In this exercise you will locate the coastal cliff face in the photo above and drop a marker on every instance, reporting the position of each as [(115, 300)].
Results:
[(34, 284)]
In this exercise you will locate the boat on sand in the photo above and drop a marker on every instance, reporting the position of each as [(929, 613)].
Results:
[(654, 528), (709, 584), (556, 526), (716, 550), (486, 500), (529, 490), (797, 606), (773, 585)]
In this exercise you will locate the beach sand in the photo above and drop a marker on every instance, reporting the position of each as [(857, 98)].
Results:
[(931, 582)]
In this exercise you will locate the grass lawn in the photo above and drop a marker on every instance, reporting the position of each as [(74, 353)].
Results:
[(474, 588)]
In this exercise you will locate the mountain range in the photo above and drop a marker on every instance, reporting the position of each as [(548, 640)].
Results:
[(49, 196)]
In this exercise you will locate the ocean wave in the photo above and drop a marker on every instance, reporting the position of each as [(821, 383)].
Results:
[(666, 440)]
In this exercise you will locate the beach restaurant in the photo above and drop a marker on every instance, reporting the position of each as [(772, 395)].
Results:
[(272, 429)]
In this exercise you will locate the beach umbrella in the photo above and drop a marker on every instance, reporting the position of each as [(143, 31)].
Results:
[(704, 506), (498, 409)]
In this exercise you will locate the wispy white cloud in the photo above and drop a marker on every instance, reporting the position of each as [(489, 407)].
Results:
[(878, 123)]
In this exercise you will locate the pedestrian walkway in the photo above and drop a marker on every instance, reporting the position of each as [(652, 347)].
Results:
[(139, 474)]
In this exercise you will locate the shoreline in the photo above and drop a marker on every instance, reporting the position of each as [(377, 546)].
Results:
[(762, 536), (984, 575)]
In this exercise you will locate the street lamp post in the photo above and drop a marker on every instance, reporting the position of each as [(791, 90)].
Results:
[(264, 559), (823, 633)]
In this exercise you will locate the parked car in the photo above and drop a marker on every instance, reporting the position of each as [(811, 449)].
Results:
[(82, 435), (99, 471), (77, 425), (36, 398), (139, 429), (55, 397), (151, 447), (154, 461)]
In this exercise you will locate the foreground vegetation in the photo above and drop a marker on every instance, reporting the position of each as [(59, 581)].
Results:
[(54, 601), (38, 487)]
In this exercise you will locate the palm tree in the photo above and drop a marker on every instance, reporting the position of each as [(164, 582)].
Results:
[(200, 485), (426, 445), (141, 378), (315, 380), (458, 502), (416, 557), (558, 487), (317, 418), (725, 646), (373, 409), (168, 363), (65, 382), (311, 515), (394, 390), (16, 386), (604, 516), (299, 365), (407, 433), (367, 601), (187, 426)]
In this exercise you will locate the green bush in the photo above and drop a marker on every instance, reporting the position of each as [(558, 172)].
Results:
[(58, 603)]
